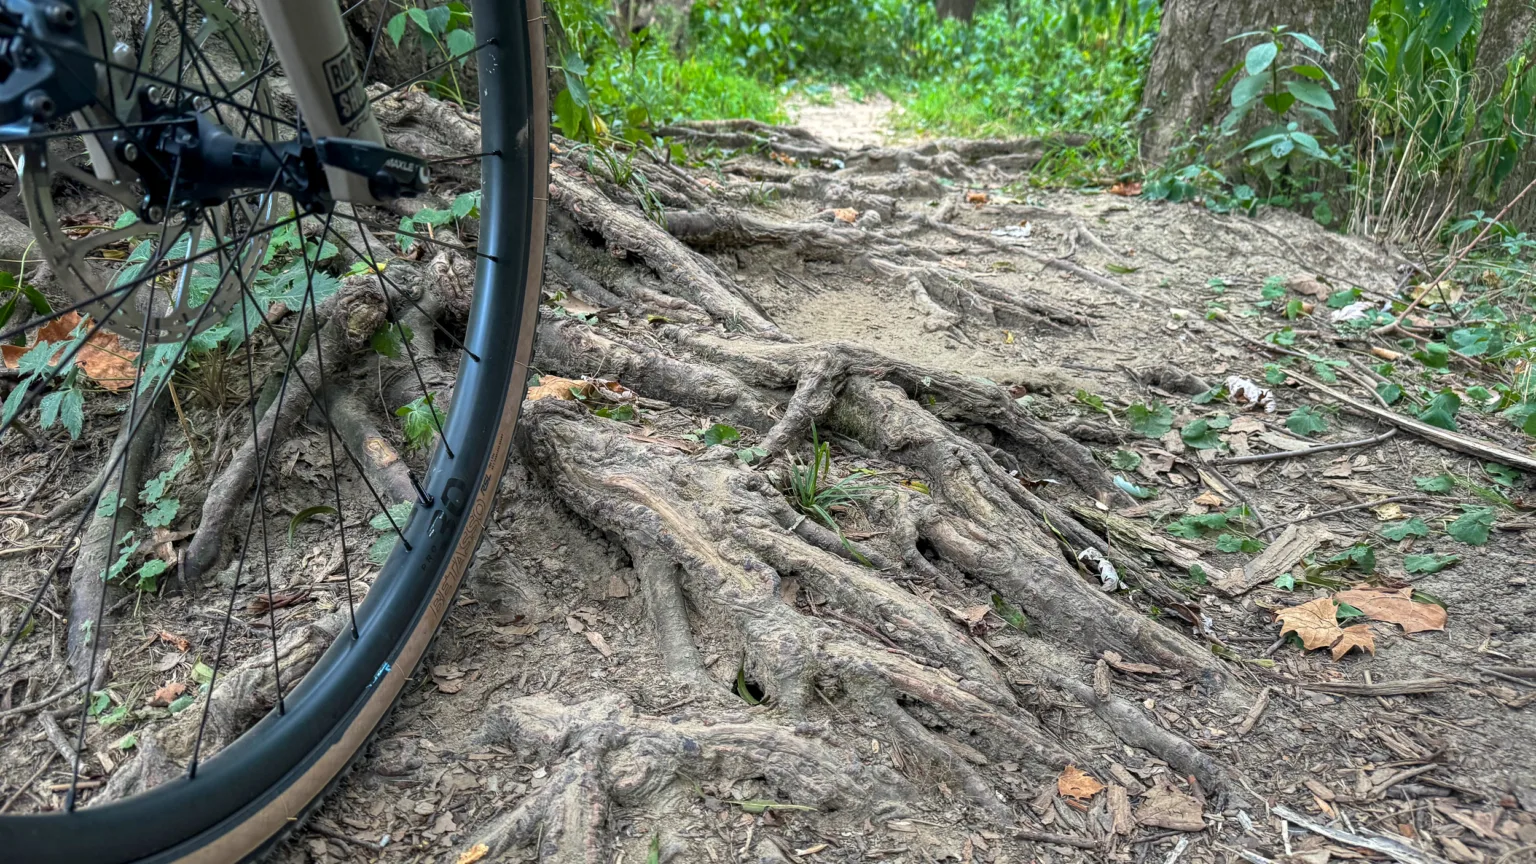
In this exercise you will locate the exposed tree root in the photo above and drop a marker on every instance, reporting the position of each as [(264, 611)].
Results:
[(98, 546), (241, 696), (693, 277), (352, 316)]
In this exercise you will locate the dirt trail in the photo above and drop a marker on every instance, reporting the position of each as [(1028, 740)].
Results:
[(657, 650), (561, 612), (841, 120)]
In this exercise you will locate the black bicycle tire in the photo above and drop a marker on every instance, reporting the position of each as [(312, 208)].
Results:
[(249, 795)]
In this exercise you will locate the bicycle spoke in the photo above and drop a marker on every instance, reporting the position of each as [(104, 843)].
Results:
[(386, 284), (422, 237), (410, 352), (452, 58)]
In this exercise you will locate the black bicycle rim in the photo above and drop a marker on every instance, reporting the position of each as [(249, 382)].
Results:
[(244, 798)]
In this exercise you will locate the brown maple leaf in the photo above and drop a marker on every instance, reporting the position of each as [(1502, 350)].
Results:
[(1316, 624), (1395, 606), (166, 695), (552, 387), (1074, 783), (102, 358)]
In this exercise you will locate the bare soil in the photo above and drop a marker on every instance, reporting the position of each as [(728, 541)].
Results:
[(657, 657)]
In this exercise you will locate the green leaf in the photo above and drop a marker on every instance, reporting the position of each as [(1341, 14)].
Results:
[(1502, 474), (420, 17), (48, 409), (1435, 355), (1132, 489), (1092, 400), (653, 852), (1359, 556), (1437, 483), (1151, 421), (1308, 70), (396, 28), (1306, 41), (1310, 92), (182, 703), (749, 455), (1236, 543), (148, 573), (1011, 614), (307, 514), (397, 515), (420, 421), (1247, 90), (720, 433), (1194, 527), (163, 513), (1473, 526), (1125, 460), (1260, 56), (1285, 582), (461, 44), (1414, 527), (154, 490), (1442, 410), (1345, 611), (1306, 420), (202, 673), (72, 411), (1389, 392), (1215, 394), (623, 413), (1200, 435), (1428, 563), (742, 689), (378, 553)]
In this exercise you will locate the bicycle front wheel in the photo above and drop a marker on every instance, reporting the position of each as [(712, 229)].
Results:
[(233, 805)]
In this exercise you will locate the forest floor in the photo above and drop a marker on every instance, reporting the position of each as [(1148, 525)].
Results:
[(972, 685)]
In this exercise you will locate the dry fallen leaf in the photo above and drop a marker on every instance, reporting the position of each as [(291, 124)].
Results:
[(180, 643), (599, 643), (1167, 807), (1209, 499), (1126, 190), (473, 854), (102, 358), (260, 604), (1316, 623), (976, 198), (552, 387), (1073, 783), (1396, 607), (166, 695), (1438, 292), (845, 214)]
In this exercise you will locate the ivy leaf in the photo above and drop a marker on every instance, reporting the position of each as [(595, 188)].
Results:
[(1151, 421), (1306, 420), (1389, 392), (1235, 543), (1359, 556), (1437, 483), (1435, 355), (1473, 526), (1501, 474), (1442, 410), (163, 513), (1429, 563), (1414, 527), (1200, 435), (720, 433), (1125, 460)]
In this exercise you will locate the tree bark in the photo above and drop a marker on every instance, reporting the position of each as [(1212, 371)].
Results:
[(1509, 27), (961, 10), (1192, 54)]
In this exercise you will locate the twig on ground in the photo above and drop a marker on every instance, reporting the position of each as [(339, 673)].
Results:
[(1434, 434), (57, 737), (28, 783), (1393, 849), (1255, 712), (1321, 448), (41, 703), (1394, 499), (1384, 688), (1510, 678)]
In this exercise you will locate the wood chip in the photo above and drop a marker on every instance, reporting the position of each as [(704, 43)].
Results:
[(599, 643), (1121, 820), (1294, 543)]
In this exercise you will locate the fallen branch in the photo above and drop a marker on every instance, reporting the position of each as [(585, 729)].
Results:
[(1058, 839), (1394, 849), (1321, 448), (1405, 687), (1434, 434)]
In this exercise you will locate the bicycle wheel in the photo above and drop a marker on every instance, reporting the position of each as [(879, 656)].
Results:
[(193, 279)]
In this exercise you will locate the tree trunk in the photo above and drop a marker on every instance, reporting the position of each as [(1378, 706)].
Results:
[(961, 10), (1192, 54), (1509, 26)]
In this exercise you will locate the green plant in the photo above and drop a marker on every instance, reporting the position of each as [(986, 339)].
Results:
[(420, 420), (448, 30), (813, 491), (384, 525)]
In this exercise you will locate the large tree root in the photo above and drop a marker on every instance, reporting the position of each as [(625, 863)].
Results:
[(713, 543), (98, 546), (352, 316)]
